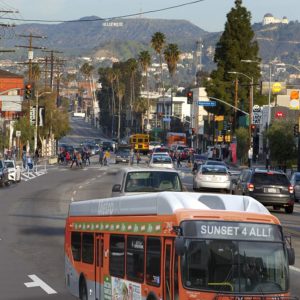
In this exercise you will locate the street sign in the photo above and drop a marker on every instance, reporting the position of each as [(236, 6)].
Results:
[(18, 133), (276, 87), (256, 108), (167, 119), (257, 118), (207, 103)]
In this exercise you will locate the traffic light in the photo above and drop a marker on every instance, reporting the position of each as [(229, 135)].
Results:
[(253, 129), (189, 96), (296, 130), (28, 91)]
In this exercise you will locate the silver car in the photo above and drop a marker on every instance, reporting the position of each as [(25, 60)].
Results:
[(147, 180), (295, 182), (212, 177)]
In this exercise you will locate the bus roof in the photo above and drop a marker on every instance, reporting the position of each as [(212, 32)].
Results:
[(165, 203)]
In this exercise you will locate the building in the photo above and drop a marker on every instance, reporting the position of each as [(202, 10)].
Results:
[(11, 97), (270, 19)]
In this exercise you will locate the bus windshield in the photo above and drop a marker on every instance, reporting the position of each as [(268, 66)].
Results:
[(235, 265)]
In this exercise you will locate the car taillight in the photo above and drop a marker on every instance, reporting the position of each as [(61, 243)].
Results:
[(291, 189), (250, 187)]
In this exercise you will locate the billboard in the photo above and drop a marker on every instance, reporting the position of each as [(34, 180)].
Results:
[(11, 103), (278, 88)]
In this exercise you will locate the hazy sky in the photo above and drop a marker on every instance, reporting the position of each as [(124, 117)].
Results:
[(209, 15)]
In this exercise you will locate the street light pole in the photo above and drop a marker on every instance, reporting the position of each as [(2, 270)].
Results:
[(37, 95)]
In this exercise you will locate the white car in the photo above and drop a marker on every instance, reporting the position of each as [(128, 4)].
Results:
[(133, 180), (14, 171), (161, 161)]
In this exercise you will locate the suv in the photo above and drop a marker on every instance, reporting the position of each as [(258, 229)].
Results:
[(271, 188)]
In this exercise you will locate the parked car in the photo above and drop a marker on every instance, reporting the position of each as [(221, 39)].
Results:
[(295, 182), (145, 180), (271, 188), (161, 161), (212, 177), (14, 171), (4, 180)]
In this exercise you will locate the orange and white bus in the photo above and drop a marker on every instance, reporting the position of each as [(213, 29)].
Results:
[(139, 142), (171, 246)]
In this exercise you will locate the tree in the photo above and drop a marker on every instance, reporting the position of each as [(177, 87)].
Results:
[(282, 142), (171, 55), (235, 44), (242, 136), (158, 41), (145, 61)]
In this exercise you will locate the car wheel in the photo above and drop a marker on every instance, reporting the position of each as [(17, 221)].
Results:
[(289, 209)]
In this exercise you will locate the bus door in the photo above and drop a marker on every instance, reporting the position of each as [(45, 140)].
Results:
[(168, 270), (99, 266)]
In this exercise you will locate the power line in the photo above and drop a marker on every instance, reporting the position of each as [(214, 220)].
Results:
[(104, 19)]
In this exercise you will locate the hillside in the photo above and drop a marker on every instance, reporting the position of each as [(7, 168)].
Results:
[(90, 37)]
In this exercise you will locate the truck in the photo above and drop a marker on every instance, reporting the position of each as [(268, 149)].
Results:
[(176, 138)]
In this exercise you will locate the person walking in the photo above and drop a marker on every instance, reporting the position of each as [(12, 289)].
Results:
[(178, 159), (79, 159), (106, 157), (250, 156), (101, 156), (138, 157), (74, 160)]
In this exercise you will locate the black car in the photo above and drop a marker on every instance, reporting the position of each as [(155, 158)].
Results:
[(4, 180), (271, 188)]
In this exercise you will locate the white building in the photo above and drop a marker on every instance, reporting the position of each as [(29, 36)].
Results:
[(270, 19)]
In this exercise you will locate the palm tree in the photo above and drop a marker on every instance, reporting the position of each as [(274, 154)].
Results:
[(171, 55), (158, 41), (145, 61), (111, 77), (132, 68)]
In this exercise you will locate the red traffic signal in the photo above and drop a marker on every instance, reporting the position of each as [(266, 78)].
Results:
[(253, 126), (28, 91), (190, 97)]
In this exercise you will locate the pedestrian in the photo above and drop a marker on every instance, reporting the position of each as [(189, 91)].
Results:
[(138, 157), (106, 157), (250, 156), (68, 157), (79, 159), (87, 157), (36, 156), (178, 159), (131, 156), (101, 155), (74, 159), (267, 160)]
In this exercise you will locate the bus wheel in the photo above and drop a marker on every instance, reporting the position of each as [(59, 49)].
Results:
[(83, 290)]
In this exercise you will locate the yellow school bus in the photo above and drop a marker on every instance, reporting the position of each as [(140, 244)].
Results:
[(176, 246), (140, 142)]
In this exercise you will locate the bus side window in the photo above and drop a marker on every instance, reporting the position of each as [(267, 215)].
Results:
[(153, 261), (76, 245), (88, 248), (117, 255), (135, 257)]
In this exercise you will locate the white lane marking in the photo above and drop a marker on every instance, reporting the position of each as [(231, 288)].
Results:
[(74, 193), (80, 187), (37, 282), (295, 269), (72, 199)]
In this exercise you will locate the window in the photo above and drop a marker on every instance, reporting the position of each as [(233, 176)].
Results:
[(177, 109), (135, 258), (88, 248), (153, 262), (76, 245), (270, 178), (116, 256)]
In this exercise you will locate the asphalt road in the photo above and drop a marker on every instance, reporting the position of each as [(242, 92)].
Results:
[(32, 217)]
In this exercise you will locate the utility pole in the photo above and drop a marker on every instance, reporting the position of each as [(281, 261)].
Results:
[(52, 59), (236, 87), (30, 51)]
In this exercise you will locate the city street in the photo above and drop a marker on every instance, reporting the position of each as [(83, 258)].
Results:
[(32, 219)]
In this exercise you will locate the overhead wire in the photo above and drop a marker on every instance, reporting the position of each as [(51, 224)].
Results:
[(104, 19)]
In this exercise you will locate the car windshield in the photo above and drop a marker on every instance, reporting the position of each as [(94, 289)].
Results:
[(9, 164), (123, 152), (212, 170), (162, 160), (270, 179), (145, 181), (246, 263)]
